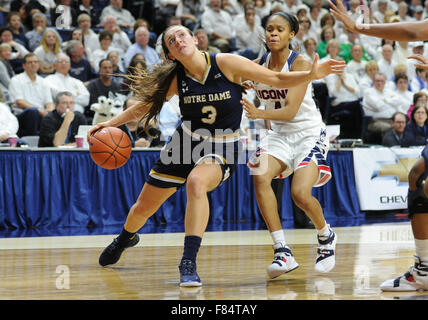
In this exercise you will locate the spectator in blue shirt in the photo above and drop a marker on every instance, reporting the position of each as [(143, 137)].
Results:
[(80, 68), (141, 45)]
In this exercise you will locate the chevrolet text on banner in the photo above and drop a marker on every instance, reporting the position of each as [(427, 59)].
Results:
[(381, 176)]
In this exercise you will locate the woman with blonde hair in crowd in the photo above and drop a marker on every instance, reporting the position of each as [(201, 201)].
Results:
[(366, 82), (310, 49), (49, 48), (332, 49)]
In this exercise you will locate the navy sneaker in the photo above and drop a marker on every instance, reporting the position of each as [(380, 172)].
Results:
[(188, 275), (326, 253), (112, 253)]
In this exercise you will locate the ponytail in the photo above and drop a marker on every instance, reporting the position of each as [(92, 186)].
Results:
[(152, 88)]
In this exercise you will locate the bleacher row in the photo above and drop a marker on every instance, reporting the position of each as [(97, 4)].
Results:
[(381, 98)]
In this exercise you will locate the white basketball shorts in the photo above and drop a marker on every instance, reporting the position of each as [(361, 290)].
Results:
[(296, 150)]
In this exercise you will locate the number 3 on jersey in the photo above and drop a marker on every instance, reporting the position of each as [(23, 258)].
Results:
[(211, 114)]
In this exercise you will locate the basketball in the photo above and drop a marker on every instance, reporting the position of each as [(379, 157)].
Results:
[(110, 148)]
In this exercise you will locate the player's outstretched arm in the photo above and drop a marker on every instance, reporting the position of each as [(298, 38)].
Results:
[(237, 69), (398, 31)]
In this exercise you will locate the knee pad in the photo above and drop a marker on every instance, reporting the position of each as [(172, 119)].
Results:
[(417, 202)]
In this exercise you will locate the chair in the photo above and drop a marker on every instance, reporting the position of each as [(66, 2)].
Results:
[(32, 141)]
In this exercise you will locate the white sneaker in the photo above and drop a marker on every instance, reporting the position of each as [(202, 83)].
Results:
[(326, 253), (283, 261), (416, 279)]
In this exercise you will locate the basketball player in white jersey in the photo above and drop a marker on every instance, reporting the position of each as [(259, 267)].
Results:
[(297, 143)]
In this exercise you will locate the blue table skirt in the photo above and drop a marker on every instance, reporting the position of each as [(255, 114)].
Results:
[(40, 188)]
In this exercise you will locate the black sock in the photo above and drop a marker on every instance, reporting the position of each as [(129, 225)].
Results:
[(125, 236), (191, 247)]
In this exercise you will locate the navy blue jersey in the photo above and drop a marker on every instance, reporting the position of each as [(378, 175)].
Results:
[(425, 156), (211, 104)]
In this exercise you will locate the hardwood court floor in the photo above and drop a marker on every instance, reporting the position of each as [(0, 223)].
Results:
[(232, 265)]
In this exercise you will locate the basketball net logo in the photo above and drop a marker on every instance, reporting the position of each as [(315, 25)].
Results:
[(363, 21), (64, 20)]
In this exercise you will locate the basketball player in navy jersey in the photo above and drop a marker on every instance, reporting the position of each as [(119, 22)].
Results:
[(416, 278), (296, 144), (208, 86)]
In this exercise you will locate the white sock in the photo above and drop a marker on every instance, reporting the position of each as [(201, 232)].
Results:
[(325, 231), (421, 248), (278, 237)]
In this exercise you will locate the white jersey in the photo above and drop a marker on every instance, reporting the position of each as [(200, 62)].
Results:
[(308, 115)]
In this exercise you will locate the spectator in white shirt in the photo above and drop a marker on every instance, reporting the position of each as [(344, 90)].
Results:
[(124, 18), (105, 40), (332, 49), (403, 10), (386, 64), (404, 95), (310, 45), (29, 92), (418, 13), (219, 26), (379, 103), (62, 81), (90, 38), (315, 17), (419, 82), (366, 81), (120, 39), (8, 123), (382, 7), (290, 7), (356, 65), (249, 40), (417, 48), (262, 8), (346, 93)]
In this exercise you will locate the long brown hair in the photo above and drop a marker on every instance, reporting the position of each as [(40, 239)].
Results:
[(151, 88)]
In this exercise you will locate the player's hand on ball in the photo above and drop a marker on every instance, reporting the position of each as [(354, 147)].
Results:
[(95, 128), (252, 111)]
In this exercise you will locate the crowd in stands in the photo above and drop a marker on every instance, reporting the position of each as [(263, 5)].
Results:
[(57, 58)]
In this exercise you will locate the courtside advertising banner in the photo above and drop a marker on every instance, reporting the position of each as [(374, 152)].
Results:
[(381, 176)]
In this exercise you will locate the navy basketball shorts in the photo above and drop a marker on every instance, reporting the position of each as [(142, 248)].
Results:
[(184, 152)]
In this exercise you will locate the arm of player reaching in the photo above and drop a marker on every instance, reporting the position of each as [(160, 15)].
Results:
[(238, 69), (398, 31)]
